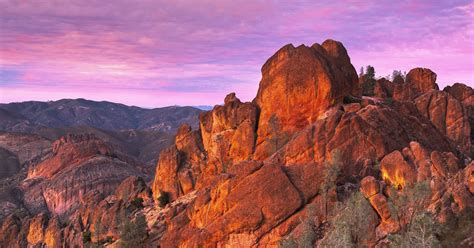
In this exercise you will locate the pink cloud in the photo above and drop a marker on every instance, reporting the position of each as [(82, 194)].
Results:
[(190, 52)]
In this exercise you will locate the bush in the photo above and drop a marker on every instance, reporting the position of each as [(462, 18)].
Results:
[(350, 227), (138, 202), (133, 233), (163, 199), (86, 236)]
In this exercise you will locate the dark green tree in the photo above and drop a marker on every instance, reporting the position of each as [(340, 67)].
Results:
[(163, 199), (368, 83), (397, 77)]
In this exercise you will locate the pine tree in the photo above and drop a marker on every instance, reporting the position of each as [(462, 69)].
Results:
[(369, 81)]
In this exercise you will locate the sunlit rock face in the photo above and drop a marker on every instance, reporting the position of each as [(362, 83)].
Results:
[(308, 113), (297, 86)]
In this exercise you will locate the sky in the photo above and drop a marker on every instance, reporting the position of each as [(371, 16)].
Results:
[(153, 53)]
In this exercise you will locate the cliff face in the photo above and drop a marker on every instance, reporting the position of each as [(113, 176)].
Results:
[(78, 164), (257, 173), (297, 86), (257, 168)]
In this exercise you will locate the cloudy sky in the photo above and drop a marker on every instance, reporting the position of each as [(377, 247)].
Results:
[(153, 53)]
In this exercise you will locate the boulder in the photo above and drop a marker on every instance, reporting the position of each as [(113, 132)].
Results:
[(418, 81), (396, 171), (369, 186), (298, 85)]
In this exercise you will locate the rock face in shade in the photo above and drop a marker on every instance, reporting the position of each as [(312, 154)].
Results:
[(465, 95), (383, 88), (297, 86), (449, 116), (78, 164), (418, 81)]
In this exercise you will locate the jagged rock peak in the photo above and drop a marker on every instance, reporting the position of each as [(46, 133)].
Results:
[(231, 98), (74, 138), (423, 79), (299, 84)]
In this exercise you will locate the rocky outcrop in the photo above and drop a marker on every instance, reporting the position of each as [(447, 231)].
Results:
[(383, 88), (449, 116), (307, 114), (178, 165), (228, 132), (417, 82), (297, 86), (77, 165), (465, 95), (69, 151)]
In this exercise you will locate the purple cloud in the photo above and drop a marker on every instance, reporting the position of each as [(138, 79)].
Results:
[(155, 53)]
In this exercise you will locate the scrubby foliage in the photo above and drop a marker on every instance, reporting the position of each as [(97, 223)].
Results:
[(163, 199), (138, 202), (133, 233), (421, 232), (419, 228), (350, 227), (307, 235), (330, 173)]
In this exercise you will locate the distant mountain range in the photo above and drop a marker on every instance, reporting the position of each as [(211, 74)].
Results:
[(33, 115)]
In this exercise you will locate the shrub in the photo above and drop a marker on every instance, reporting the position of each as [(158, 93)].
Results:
[(163, 199), (86, 236), (350, 227), (138, 202), (133, 233)]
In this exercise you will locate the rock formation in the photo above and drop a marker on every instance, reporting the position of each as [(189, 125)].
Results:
[(297, 86), (297, 131), (417, 82), (258, 173)]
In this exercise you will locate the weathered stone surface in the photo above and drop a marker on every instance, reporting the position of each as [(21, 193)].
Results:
[(67, 151), (299, 84), (252, 205), (469, 177), (448, 115), (380, 204), (383, 88), (369, 186), (166, 176), (418, 81), (396, 171), (52, 235), (228, 132), (36, 230)]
